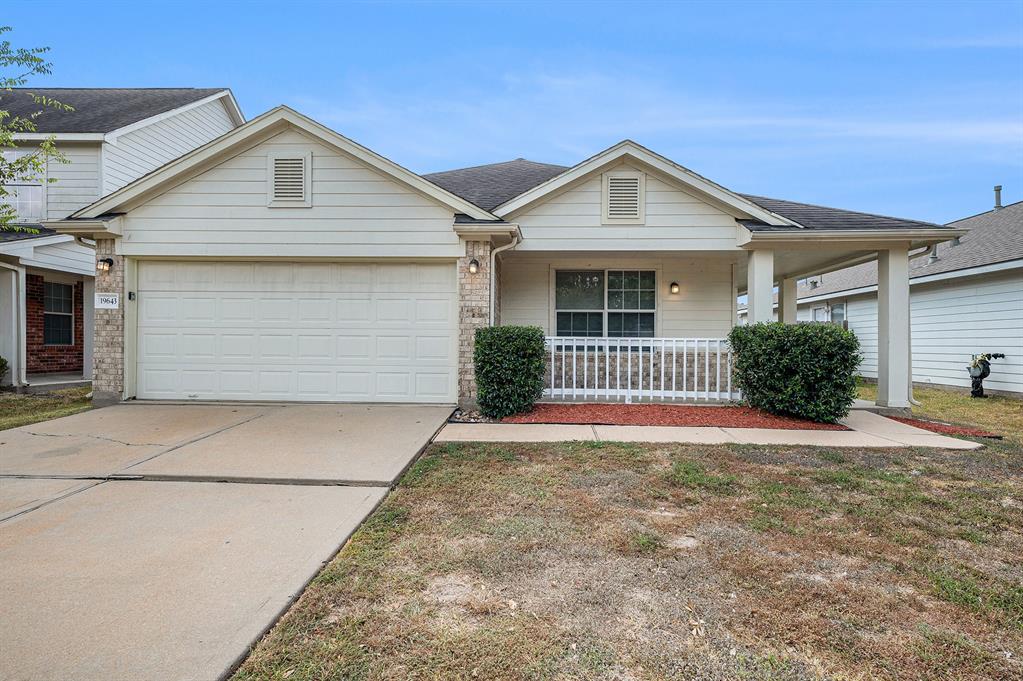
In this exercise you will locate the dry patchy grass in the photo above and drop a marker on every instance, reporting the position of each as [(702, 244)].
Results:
[(998, 413), (623, 561), (20, 410)]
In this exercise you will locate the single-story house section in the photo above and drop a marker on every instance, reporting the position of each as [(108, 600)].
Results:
[(111, 137), (283, 261), (966, 298)]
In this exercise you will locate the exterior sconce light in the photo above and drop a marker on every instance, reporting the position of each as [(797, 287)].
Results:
[(104, 264), (474, 266), (674, 287)]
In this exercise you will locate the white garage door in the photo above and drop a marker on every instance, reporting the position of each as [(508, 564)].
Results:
[(297, 331)]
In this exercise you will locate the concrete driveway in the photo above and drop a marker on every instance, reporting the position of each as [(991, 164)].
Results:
[(159, 541)]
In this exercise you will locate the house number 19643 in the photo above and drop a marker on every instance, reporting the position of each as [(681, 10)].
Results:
[(108, 301)]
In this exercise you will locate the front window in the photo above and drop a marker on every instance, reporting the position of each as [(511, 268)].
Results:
[(838, 314), (820, 314), (612, 303), (58, 314)]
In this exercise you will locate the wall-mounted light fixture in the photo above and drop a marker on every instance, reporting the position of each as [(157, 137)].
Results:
[(674, 287), (474, 266), (104, 264)]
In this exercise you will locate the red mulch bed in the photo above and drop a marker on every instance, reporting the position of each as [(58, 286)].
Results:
[(945, 428), (664, 415)]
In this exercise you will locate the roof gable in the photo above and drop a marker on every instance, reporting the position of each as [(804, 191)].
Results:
[(254, 132), (628, 150)]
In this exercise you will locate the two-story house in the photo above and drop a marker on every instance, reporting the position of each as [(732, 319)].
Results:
[(112, 137)]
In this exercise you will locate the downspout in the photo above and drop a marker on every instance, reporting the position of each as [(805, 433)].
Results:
[(20, 310), (516, 240)]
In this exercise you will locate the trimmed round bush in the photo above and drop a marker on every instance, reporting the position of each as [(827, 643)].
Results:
[(801, 370), (509, 369)]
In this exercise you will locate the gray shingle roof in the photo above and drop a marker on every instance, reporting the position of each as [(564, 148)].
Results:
[(488, 186), (822, 217), (99, 109), (8, 235), (995, 236)]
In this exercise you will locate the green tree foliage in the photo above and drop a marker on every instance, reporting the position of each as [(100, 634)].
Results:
[(17, 65)]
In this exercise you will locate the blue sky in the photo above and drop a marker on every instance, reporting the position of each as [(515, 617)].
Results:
[(909, 109)]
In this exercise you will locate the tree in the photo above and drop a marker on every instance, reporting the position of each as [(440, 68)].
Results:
[(17, 65)]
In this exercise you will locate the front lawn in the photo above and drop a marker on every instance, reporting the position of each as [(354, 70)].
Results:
[(623, 561), (21, 410)]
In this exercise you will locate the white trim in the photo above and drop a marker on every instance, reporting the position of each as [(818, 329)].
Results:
[(59, 136), (266, 124), (936, 235), (230, 104), (628, 148)]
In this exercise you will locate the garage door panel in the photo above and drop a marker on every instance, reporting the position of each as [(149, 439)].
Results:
[(297, 331)]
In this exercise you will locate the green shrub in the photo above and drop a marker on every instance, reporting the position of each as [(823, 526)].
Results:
[(509, 369), (802, 370), (3, 367)]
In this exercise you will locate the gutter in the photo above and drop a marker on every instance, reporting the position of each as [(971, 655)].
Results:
[(21, 325), (516, 240)]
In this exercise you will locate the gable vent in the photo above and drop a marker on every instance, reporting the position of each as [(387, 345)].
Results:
[(623, 197), (289, 180)]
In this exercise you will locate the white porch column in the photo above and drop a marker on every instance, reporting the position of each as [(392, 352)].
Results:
[(787, 301), (88, 324), (893, 328), (760, 286)]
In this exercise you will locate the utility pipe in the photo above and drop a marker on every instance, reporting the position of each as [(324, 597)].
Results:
[(516, 240), (21, 324)]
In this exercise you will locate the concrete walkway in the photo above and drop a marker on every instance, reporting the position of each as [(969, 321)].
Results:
[(868, 430), (159, 541)]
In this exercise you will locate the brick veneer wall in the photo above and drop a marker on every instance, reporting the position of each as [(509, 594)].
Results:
[(473, 313), (108, 344), (42, 358)]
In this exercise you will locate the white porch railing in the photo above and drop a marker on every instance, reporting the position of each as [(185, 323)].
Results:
[(639, 369)]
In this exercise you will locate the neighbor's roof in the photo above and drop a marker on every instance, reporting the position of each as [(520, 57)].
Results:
[(492, 185), (99, 110), (995, 236), (8, 235)]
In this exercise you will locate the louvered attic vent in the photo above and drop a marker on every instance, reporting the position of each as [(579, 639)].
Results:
[(623, 197), (289, 180)]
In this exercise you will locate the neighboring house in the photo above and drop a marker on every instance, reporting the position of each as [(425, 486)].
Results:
[(285, 262), (112, 137), (967, 298)]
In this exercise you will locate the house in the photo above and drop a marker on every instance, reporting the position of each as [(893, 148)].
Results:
[(112, 137), (283, 261), (966, 298)]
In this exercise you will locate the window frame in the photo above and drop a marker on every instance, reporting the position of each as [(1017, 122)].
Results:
[(40, 182), (605, 310), (70, 314)]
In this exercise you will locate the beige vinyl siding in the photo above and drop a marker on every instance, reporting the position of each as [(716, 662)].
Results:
[(77, 183), (703, 308), (141, 151), (355, 212), (66, 256), (675, 220), (951, 321)]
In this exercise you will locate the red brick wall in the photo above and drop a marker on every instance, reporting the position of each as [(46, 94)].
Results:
[(50, 358)]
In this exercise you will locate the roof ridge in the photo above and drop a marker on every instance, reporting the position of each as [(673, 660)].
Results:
[(118, 88), (754, 197), (496, 163)]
